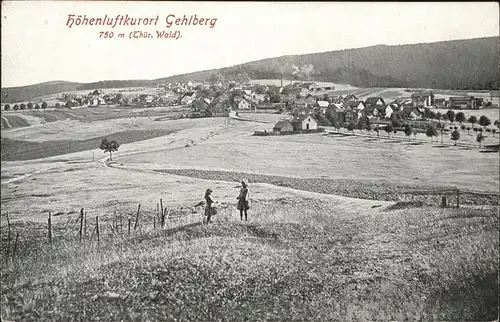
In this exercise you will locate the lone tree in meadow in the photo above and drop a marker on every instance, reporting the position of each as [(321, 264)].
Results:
[(431, 132), (408, 131), (451, 115), (472, 120), (480, 138), (44, 105), (455, 136), (460, 117), (109, 146), (30, 106), (484, 121), (22, 106), (6, 107)]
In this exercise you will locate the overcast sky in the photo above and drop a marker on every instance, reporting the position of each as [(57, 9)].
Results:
[(37, 46)]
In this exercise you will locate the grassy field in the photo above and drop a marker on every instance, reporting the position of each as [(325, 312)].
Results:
[(331, 235), (296, 259)]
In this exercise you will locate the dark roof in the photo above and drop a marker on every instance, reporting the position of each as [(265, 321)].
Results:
[(373, 100), (350, 96), (281, 124), (421, 94), (355, 103), (463, 98)]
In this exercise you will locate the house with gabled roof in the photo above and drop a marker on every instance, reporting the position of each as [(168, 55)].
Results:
[(356, 105), (373, 101), (305, 122)]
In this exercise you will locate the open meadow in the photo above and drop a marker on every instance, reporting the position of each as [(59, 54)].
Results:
[(333, 232)]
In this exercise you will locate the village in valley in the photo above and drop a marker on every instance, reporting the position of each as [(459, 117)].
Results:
[(306, 106)]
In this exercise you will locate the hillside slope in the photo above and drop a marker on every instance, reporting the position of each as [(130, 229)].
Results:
[(456, 64), (467, 64)]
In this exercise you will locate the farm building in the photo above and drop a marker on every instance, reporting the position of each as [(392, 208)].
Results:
[(283, 126), (305, 122), (466, 102), (422, 99)]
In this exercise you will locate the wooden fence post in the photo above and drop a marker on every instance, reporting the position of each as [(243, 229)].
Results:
[(15, 247), (97, 228), (129, 222), (8, 232), (458, 198), (154, 223), (137, 217), (81, 224), (85, 225), (49, 222), (161, 214)]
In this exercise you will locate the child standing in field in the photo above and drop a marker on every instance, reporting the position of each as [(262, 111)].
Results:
[(209, 210), (243, 200)]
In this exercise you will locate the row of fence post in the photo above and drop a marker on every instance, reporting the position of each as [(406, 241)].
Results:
[(158, 220)]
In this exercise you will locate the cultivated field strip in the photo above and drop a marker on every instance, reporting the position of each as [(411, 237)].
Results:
[(347, 188)]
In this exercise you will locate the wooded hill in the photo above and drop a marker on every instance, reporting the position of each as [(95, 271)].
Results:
[(458, 64)]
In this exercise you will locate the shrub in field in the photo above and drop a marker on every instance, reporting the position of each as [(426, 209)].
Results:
[(460, 117), (22, 106), (445, 117), (408, 131), (6, 107), (109, 146), (468, 130), (44, 105), (350, 127), (58, 105), (484, 121), (493, 131), (488, 130), (496, 123), (462, 127), (15, 107), (480, 138), (431, 132), (37, 107), (30, 106), (455, 136)]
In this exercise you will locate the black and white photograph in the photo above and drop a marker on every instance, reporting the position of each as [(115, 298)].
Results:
[(249, 161)]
